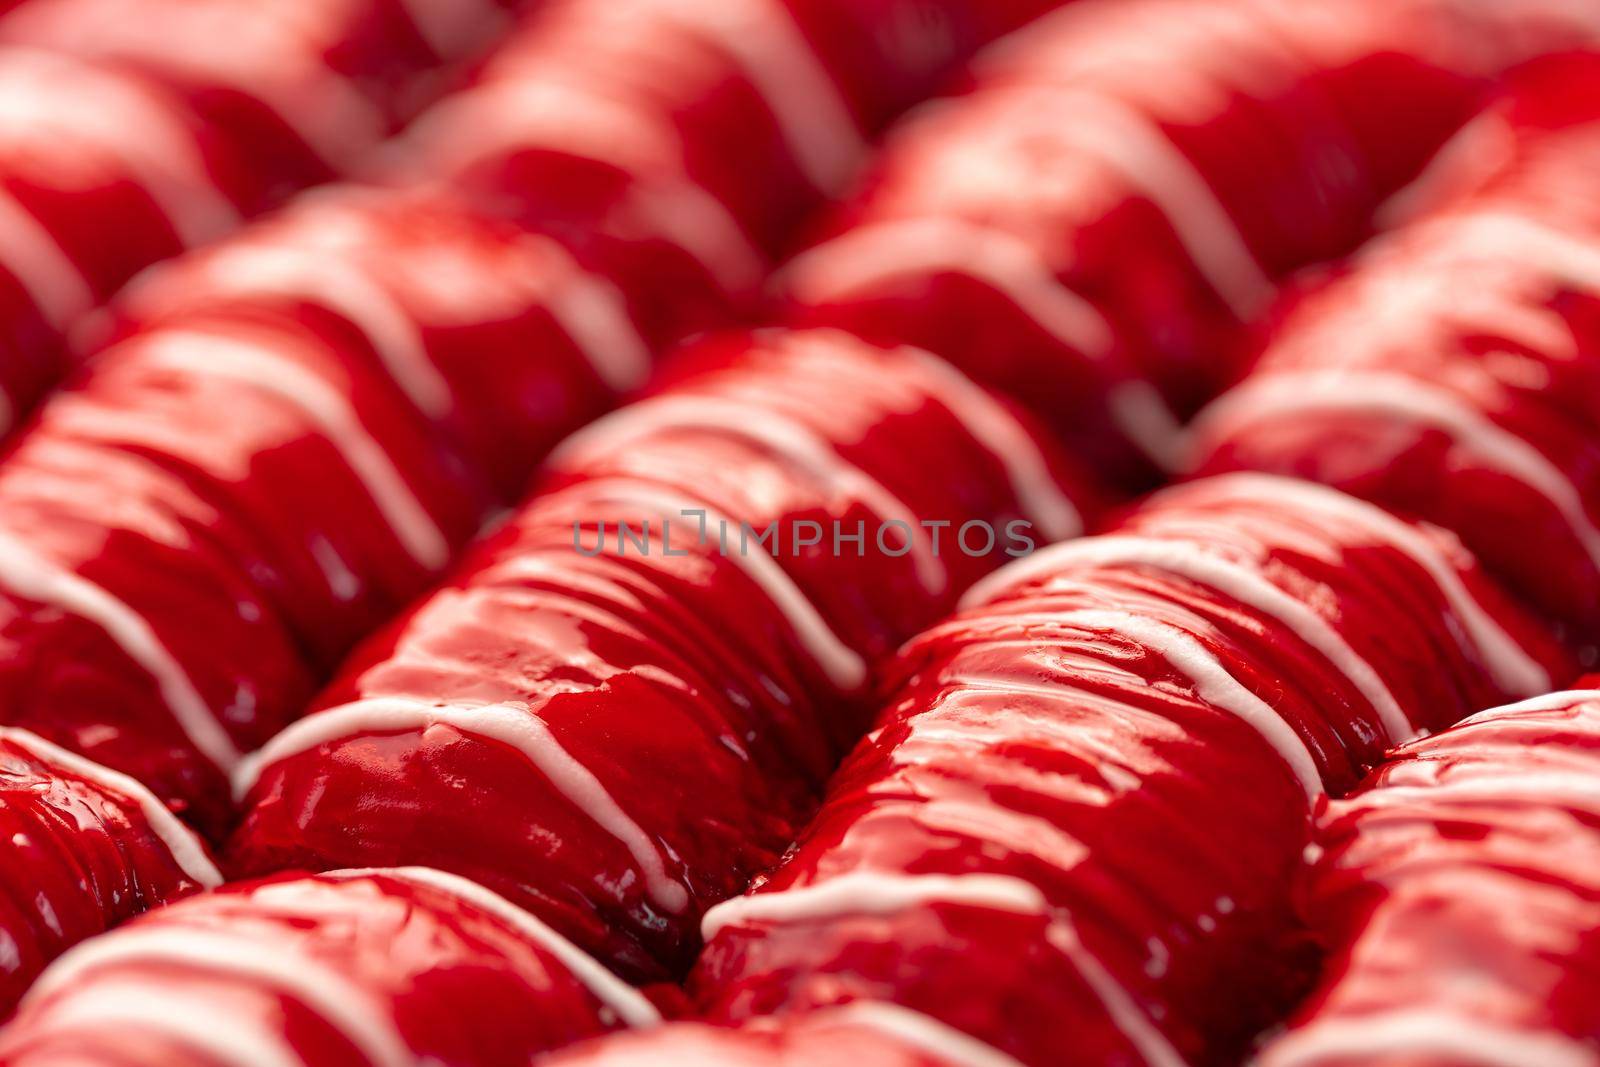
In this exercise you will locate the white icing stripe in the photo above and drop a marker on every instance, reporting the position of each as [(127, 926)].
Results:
[(1543, 786), (763, 39), (163, 157), (631, 1006), (55, 284), (1134, 145), (344, 288), (523, 115), (1133, 1021), (334, 998), (333, 413), (1002, 436), (1513, 669), (771, 431), (592, 312), (1425, 1034), (1557, 701), (1411, 399), (1503, 236), (923, 1032), (869, 255), (873, 893), (185, 847), (516, 726), (1190, 560), (844, 666), (450, 28), (1212, 683), (32, 577), (107, 1007)]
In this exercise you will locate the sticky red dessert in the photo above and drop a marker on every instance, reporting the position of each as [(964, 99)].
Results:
[(387, 967), (619, 734), (1455, 892), (1073, 832)]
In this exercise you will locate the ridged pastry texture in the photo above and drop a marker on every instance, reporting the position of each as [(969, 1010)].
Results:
[(388, 968), (617, 733), (1456, 891), (1072, 833), (84, 848), (279, 441), (1129, 183), (128, 138), (1449, 371)]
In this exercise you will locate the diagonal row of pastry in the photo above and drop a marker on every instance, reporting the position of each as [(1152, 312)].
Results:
[(791, 703)]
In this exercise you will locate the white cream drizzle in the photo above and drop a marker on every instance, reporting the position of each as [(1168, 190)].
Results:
[(1212, 683), (923, 1032), (185, 847), (1133, 144), (869, 255), (1423, 1032), (164, 158), (1557, 701), (1414, 400), (1513, 669), (1191, 560), (873, 893), (451, 28), (773, 431), (527, 115), (592, 312), (334, 414), (107, 1007), (844, 666), (1133, 1021), (763, 39), (55, 284), (1003, 437), (514, 725), (367, 1024), (31, 576), (344, 288), (879, 893), (631, 1006)]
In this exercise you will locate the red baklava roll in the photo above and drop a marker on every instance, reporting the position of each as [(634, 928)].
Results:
[(875, 1034), (130, 135), (623, 706), (279, 441), (1450, 372), (84, 849), (708, 126), (301, 89), (1073, 833), (1128, 183), (380, 967), (1458, 892)]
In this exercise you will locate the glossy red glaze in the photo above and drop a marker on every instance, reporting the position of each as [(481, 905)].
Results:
[(80, 856), (299, 89), (699, 130), (282, 439), (129, 139), (1450, 372), (378, 967), (1126, 185), (1074, 830), (795, 1041), (708, 693), (1456, 893)]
